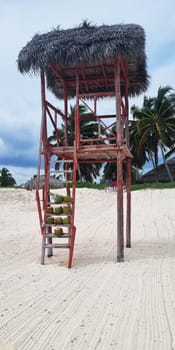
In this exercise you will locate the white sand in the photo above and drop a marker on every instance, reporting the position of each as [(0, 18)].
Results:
[(98, 304)]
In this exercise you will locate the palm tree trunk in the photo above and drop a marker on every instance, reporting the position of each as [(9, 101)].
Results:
[(154, 166), (165, 162)]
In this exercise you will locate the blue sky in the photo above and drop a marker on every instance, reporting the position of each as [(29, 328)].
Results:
[(20, 110)]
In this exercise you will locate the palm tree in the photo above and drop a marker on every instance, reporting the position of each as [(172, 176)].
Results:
[(153, 127), (110, 169), (6, 179), (141, 154), (88, 129)]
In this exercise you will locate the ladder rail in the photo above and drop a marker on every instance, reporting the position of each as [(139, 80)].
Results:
[(49, 238)]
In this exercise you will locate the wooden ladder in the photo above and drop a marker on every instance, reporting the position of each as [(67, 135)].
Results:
[(58, 229)]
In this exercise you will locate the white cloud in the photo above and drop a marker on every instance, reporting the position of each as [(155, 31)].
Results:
[(164, 75), (3, 147)]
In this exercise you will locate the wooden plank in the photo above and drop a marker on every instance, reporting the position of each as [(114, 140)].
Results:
[(57, 245)]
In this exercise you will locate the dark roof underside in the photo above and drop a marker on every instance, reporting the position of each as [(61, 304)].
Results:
[(91, 51)]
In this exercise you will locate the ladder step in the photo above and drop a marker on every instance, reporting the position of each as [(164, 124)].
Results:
[(52, 235), (56, 245), (60, 215), (49, 225), (61, 171), (62, 161), (54, 203)]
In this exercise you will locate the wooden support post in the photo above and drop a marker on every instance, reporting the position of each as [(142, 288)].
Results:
[(47, 198), (128, 172), (128, 206), (43, 249), (41, 149), (76, 116), (44, 150), (72, 241), (66, 116), (66, 138), (43, 116), (73, 228), (120, 238), (49, 240)]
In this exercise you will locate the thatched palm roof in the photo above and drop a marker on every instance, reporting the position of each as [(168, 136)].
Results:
[(82, 48), (53, 183), (161, 172)]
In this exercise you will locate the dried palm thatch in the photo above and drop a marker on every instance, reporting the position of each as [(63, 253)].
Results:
[(53, 183), (80, 49)]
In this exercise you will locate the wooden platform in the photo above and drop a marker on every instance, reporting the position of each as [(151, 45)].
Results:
[(92, 153)]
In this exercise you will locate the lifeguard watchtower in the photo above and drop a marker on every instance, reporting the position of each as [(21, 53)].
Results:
[(88, 63)]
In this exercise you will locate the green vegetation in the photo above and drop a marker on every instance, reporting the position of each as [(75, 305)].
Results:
[(135, 187), (6, 178), (59, 199), (153, 185), (153, 129), (81, 184)]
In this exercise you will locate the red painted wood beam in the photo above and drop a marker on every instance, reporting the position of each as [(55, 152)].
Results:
[(97, 94), (128, 205), (55, 109), (84, 77), (76, 115), (120, 236)]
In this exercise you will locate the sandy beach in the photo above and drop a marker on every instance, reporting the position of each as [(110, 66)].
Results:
[(98, 304)]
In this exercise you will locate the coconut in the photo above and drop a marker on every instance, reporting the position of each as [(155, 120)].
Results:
[(49, 210), (67, 209), (58, 231), (50, 220), (66, 220), (58, 220), (58, 210), (59, 198)]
